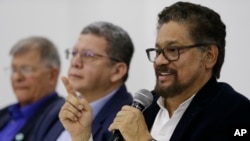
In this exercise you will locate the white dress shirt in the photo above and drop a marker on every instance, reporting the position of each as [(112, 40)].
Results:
[(164, 125)]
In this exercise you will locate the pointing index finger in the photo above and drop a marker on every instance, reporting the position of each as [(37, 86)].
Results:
[(68, 87)]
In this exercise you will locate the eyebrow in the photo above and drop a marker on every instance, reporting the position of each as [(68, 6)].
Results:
[(166, 43)]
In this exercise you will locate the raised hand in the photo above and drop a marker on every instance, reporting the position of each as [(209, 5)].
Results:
[(76, 114)]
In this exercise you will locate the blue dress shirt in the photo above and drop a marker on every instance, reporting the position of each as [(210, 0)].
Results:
[(19, 116)]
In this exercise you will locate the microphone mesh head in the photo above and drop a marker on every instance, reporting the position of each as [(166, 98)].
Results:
[(144, 97)]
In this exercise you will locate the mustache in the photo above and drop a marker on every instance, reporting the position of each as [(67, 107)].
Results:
[(159, 69)]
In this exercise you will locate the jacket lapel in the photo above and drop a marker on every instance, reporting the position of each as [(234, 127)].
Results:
[(200, 101), (4, 118), (106, 115)]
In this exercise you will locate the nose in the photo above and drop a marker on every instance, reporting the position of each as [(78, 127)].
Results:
[(77, 61), (17, 76), (161, 60)]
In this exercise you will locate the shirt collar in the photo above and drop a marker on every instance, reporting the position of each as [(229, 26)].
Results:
[(16, 111), (182, 106)]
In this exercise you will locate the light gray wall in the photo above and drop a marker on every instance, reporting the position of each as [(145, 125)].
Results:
[(62, 21)]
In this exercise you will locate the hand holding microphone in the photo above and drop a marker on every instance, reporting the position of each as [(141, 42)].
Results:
[(129, 123)]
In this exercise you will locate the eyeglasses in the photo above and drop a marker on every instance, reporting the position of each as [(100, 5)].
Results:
[(24, 70), (171, 53), (86, 55)]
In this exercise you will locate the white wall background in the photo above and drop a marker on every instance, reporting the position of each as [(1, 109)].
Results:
[(62, 20)]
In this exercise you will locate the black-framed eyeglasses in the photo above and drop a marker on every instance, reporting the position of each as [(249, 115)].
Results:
[(171, 53), (86, 54)]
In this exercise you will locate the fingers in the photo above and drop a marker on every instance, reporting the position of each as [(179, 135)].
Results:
[(75, 102), (84, 104), (131, 124), (73, 108), (122, 117), (78, 103), (69, 112), (68, 87)]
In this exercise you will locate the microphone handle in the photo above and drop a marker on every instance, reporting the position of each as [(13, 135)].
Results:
[(117, 136)]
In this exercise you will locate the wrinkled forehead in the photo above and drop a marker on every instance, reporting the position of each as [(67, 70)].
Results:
[(29, 56), (91, 42), (173, 33)]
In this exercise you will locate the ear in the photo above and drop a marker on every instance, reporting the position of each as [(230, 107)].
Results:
[(211, 56), (118, 71)]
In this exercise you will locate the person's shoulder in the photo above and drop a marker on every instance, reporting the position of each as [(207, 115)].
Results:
[(52, 106), (4, 108), (123, 94), (57, 102), (232, 95), (233, 104)]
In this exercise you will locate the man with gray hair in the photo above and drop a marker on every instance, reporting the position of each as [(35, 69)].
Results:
[(35, 67), (98, 71)]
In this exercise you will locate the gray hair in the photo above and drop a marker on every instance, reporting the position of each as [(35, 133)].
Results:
[(120, 45), (48, 51)]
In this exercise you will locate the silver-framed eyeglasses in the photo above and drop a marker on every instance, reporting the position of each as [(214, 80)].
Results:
[(24, 70), (171, 53), (85, 55)]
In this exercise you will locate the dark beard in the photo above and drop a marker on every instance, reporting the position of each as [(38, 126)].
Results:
[(167, 92), (176, 88)]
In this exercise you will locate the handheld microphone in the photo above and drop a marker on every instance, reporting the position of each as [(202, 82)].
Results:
[(142, 100)]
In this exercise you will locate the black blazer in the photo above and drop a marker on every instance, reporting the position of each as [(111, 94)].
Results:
[(107, 114), (40, 123), (214, 114)]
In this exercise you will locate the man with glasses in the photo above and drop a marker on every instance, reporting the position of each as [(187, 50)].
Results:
[(34, 69), (189, 103), (99, 65)]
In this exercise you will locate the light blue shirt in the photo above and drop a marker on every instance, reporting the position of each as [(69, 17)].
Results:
[(98, 104)]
